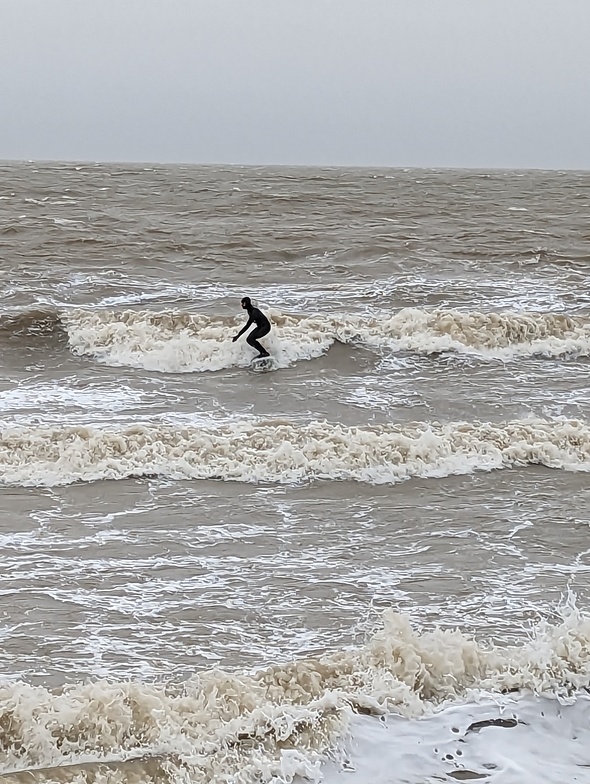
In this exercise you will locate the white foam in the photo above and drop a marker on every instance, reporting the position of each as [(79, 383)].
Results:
[(181, 342), (518, 740), (176, 342), (57, 396), (285, 452), (66, 221), (277, 723)]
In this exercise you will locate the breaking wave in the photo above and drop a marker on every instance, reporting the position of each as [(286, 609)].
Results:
[(287, 453), (278, 723), (182, 342)]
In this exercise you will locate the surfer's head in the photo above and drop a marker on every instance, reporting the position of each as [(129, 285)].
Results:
[(246, 303)]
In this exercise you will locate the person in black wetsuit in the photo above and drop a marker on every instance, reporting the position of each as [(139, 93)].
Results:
[(257, 317)]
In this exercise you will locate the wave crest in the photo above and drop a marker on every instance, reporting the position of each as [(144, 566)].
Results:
[(220, 726), (180, 342), (287, 453)]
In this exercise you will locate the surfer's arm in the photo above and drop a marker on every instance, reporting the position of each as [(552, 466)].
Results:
[(241, 332)]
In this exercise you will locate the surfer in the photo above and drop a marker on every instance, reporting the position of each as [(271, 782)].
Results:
[(257, 317)]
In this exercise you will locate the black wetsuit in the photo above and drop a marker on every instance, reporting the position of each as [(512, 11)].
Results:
[(257, 317)]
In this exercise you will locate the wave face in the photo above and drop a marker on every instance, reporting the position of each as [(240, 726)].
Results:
[(33, 321), (275, 723), (288, 453), (177, 342)]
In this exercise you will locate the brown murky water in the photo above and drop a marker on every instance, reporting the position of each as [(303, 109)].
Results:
[(421, 445)]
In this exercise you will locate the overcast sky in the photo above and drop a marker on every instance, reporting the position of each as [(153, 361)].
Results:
[(483, 83)]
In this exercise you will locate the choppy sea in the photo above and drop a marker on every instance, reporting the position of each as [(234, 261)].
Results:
[(370, 565)]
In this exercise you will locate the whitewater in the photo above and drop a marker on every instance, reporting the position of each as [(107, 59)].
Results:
[(177, 342), (267, 452), (370, 565)]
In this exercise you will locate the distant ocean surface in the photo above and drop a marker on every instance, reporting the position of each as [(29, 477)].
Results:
[(369, 566)]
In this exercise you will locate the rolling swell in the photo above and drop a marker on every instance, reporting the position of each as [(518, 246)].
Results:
[(34, 321), (274, 723), (288, 453)]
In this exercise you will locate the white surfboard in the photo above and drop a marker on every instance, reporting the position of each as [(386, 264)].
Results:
[(262, 364)]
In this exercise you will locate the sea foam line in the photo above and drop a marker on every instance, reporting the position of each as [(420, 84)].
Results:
[(181, 342), (286, 452)]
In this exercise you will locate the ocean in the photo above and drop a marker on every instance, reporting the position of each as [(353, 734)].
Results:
[(368, 566)]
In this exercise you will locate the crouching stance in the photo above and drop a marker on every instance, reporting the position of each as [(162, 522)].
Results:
[(257, 317)]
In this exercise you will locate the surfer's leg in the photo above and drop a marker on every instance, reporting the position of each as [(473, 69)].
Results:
[(252, 340)]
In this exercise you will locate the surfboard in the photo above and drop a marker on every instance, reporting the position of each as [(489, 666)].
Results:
[(262, 364)]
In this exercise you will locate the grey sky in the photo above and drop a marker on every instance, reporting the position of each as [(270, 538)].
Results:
[(370, 82)]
